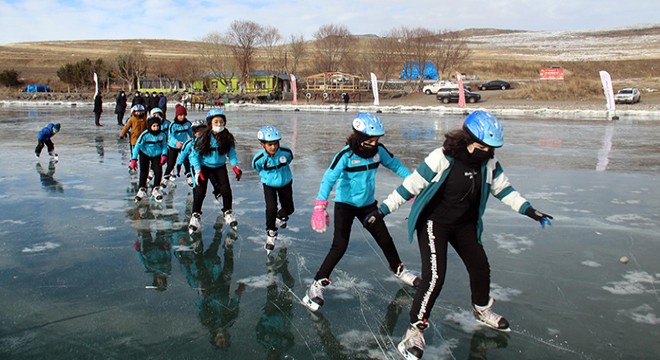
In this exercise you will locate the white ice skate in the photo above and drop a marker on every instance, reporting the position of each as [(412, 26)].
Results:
[(412, 345), (406, 276), (280, 223), (271, 237), (313, 299), (156, 194), (488, 317), (189, 180), (195, 223), (230, 219), (141, 194)]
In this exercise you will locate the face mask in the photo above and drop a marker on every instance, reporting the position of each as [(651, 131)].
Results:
[(482, 155), (367, 151), (217, 129)]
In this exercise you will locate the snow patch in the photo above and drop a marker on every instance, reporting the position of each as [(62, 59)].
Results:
[(105, 228), (502, 293), (514, 244), (591, 263), (635, 282), (41, 247), (643, 314)]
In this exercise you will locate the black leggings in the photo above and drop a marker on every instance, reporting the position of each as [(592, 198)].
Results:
[(40, 146), (220, 181), (147, 162), (344, 215), (433, 240), (172, 154), (285, 194)]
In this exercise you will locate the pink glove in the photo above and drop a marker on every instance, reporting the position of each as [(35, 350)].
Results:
[(163, 159), (133, 165), (136, 245), (320, 216), (238, 172)]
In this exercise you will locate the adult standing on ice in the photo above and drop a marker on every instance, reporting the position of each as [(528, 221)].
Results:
[(354, 169), (98, 108), (451, 188), (120, 107)]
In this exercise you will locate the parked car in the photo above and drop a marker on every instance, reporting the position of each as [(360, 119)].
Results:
[(448, 95), (495, 85), (627, 95), (433, 88)]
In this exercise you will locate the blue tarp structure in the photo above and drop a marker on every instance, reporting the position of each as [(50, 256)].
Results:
[(37, 88), (412, 69)]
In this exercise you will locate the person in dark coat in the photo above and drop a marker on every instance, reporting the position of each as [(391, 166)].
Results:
[(162, 104), (120, 107), (98, 108), (152, 101), (137, 99)]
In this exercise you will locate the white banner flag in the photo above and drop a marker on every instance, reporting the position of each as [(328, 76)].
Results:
[(374, 88), (607, 89), (96, 82)]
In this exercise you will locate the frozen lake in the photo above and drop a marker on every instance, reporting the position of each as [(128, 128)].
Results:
[(72, 285)]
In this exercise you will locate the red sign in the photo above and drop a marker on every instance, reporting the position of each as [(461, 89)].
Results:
[(551, 74)]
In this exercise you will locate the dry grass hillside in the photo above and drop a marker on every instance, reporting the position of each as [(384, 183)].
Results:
[(631, 55)]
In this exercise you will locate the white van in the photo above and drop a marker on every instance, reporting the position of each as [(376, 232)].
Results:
[(442, 84)]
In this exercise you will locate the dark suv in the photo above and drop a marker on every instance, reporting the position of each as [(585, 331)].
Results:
[(451, 95)]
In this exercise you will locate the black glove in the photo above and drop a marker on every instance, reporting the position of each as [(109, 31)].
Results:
[(536, 215), (372, 217)]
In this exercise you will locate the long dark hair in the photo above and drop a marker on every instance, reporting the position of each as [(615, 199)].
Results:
[(355, 139), (455, 141), (225, 141)]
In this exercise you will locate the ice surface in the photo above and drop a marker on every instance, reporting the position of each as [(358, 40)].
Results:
[(72, 284)]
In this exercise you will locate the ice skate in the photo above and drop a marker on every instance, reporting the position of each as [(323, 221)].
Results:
[(171, 181), (271, 237), (189, 180), (36, 155), (488, 317), (313, 299), (406, 276), (156, 194), (165, 182), (195, 223), (150, 176), (280, 223), (230, 219), (412, 345), (54, 156), (141, 194)]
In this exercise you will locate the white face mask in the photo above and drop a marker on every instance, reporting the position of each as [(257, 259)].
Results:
[(217, 129)]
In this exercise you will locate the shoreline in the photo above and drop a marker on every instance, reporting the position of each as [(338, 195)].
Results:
[(545, 110)]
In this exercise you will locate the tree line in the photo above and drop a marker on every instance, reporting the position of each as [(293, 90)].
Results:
[(247, 46)]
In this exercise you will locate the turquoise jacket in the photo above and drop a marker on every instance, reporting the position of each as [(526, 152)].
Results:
[(213, 159), (274, 170), (150, 145)]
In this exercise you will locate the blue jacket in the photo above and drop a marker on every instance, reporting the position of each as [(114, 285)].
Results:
[(356, 176), (213, 159), (46, 133), (179, 131), (150, 145), (186, 149), (274, 170)]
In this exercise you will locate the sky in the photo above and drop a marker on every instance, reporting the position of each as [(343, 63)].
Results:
[(49, 20)]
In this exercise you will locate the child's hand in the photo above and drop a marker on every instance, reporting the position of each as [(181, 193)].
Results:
[(238, 172), (163, 160), (179, 144), (133, 165)]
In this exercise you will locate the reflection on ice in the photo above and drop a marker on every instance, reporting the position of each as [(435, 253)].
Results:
[(83, 267)]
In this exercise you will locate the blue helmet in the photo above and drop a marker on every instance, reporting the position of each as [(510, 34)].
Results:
[(198, 124), (215, 112), (269, 133), (485, 128), (369, 124), (137, 107)]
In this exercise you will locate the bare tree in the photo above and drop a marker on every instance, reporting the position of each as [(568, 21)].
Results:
[(131, 66), (383, 57), (186, 70), (271, 37), (333, 43), (297, 48), (450, 51), (215, 59), (415, 49), (244, 37)]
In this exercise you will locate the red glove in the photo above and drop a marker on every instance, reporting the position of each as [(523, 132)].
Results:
[(238, 172), (163, 159), (136, 245), (133, 165)]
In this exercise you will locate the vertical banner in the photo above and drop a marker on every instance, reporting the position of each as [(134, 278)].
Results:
[(607, 89), (461, 92), (294, 89), (374, 88), (96, 82)]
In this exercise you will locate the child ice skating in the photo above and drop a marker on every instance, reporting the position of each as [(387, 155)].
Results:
[(44, 139), (151, 150), (179, 132), (186, 149), (451, 188), (208, 161), (136, 124), (354, 169), (272, 164)]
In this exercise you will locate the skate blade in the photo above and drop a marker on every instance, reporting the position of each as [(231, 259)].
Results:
[(505, 330), (308, 303), (406, 355)]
